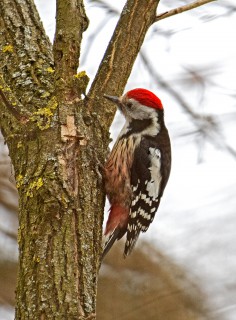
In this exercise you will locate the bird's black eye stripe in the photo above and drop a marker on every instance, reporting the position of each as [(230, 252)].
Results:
[(129, 104)]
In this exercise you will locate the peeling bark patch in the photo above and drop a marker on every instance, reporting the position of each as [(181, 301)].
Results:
[(68, 131), (69, 155)]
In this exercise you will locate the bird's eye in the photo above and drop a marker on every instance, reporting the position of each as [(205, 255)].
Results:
[(129, 104)]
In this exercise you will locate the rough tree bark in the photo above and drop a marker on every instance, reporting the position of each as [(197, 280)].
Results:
[(57, 140)]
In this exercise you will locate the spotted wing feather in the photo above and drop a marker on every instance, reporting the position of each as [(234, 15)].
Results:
[(146, 180)]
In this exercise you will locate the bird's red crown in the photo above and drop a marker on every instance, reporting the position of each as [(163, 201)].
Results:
[(145, 97)]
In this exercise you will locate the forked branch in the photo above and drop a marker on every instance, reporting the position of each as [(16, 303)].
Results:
[(136, 18)]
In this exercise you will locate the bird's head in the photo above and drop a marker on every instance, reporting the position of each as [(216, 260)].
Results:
[(137, 104)]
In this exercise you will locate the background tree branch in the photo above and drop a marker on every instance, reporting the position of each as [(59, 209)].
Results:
[(181, 9)]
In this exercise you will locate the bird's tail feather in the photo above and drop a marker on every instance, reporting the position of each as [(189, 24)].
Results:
[(131, 240), (110, 241)]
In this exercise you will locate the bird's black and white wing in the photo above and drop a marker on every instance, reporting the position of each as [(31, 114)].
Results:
[(146, 181)]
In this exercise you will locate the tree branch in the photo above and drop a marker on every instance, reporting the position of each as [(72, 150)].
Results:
[(71, 22), (181, 9), (25, 53)]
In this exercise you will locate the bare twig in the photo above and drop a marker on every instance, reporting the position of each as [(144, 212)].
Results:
[(181, 9), (207, 125)]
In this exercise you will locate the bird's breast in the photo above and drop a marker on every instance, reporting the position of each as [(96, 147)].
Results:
[(117, 171)]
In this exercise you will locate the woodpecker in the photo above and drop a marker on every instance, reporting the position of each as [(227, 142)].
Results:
[(137, 169)]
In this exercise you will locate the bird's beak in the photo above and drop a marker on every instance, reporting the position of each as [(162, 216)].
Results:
[(112, 98)]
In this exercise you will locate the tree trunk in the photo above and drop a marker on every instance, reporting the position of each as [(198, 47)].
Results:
[(57, 142)]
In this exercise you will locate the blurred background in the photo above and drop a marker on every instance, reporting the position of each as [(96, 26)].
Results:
[(184, 266)]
